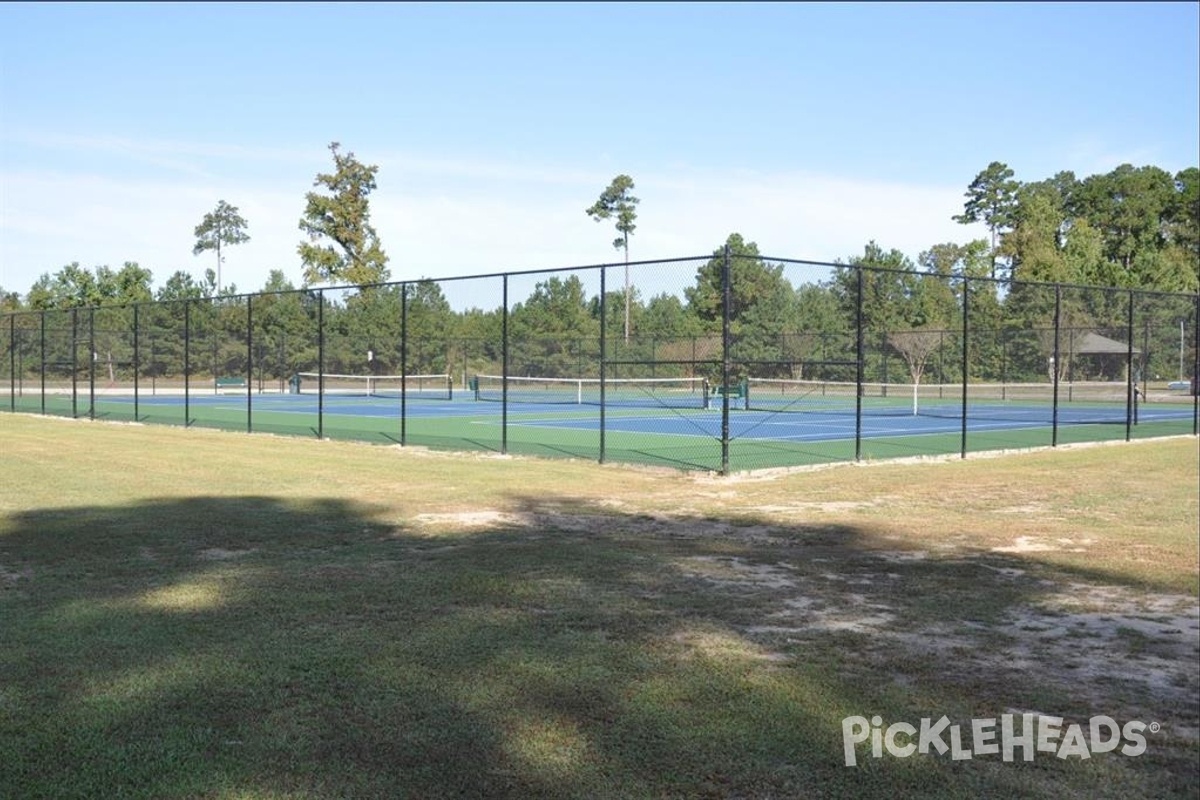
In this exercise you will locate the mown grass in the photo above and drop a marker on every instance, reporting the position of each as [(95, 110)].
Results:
[(190, 613)]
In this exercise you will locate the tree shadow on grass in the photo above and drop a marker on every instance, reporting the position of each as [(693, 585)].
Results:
[(261, 647)]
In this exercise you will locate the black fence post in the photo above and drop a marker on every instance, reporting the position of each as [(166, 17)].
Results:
[(12, 362), (966, 360), (860, 356), (1056, 366), (1196, 367), (249, 363), (43, 356), (603, 355), (504, 367), (92, 356), (1130, 385), (320, 363), (187, 362), (726, 301), (74, 362), (403, 364), (137, 361)]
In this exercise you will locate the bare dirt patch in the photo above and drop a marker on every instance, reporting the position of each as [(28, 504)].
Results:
[(10, 576), (469, 519), (221, 554), (1038, 544), (1119, 650)]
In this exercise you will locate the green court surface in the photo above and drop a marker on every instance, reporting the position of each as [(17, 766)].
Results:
[(680, 438)]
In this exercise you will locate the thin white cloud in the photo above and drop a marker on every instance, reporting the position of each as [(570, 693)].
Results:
[(492, 216), (1094, 156), (169, 151)]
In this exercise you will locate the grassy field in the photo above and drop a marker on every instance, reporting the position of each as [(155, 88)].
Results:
[(206, 614)]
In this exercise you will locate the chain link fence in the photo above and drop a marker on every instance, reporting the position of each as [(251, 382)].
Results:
[(719, 363)]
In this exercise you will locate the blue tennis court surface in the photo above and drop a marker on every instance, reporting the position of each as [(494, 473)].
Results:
[(791, 424)]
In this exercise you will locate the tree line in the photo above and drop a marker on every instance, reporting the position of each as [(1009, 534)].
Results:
[(1133, 228), (914, 320)]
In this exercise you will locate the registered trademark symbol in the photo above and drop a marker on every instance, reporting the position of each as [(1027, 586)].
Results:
[(1155, 727)]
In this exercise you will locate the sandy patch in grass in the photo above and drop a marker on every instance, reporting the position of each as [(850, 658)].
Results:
[(470, 519), (661, 524), (735, 572), (1040, 509), (1038, 544), (1122, 651), (9, 577), (1095, 637), (831, 506), (495, 519), (221, 554)]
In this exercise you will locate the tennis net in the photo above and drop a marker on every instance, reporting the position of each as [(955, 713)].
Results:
[(430, 387), (617, 392), (1091, 402)]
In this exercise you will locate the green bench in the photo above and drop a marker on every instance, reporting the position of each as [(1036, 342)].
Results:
[(230, 382), (737, 390)]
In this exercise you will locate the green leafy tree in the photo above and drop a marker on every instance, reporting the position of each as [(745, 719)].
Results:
[(933, 324), (430, 323), (40, 296), (961, 265), (762, 308), (888, 282), (366, 332), (551, 328), (1033, 245), (888, 278), (478, 342), (222, 227), (1048, 244), (74, 286), (666, 317), (182, 286), (618, 310), (342, 218), (133, 283), (991, 199), (618, 201), (1083, 257), (1183, 216), (822, 331), (9, 301), (666, 331), (970, 260), (1131, 207), (285, 331)]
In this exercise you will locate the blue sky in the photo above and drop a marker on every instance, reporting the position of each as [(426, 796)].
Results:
[(810, 129)]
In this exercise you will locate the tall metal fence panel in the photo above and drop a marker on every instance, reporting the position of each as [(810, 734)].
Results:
[(720, 363)]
